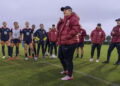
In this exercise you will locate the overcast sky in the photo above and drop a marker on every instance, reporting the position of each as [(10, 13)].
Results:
[(48, 12)]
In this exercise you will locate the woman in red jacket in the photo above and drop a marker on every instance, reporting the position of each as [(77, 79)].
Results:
[(97, 37), (53, 40), (67, 39), (115, 42)]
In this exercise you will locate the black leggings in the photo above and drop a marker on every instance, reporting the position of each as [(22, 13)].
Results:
[(53, 45), (47, 44), (66, 57), (111, 47), (98, 50), (43, 49)]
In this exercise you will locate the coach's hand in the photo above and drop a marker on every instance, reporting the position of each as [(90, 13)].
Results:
[(61, 19)]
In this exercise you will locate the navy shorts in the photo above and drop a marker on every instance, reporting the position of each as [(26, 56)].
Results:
[(4, 40), (81, 44), (27, 42), (15, 41)]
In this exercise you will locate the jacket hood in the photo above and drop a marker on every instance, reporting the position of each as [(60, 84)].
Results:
[(73, 14)]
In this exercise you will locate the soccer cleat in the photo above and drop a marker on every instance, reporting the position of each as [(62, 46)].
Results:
[(3, 57), (67, 78), (97, 60), (30, 57), (64, 72), (105, 62), (35, 59), (10, 59), (26, 58), (91, 59)]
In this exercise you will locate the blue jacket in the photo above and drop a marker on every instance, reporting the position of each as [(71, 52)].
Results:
[(41, 34)]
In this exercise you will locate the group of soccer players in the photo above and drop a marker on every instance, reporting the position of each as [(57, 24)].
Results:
[(30, 38)]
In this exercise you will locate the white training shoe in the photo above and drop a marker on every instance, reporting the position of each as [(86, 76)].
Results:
[(26, 58), (3, 57), (91, 59), (46, 53), (97, 60), (67, 78), (36, 58), (54, 56)]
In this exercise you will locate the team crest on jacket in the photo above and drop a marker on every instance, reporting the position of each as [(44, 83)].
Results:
[(67, 23), (100, 33)]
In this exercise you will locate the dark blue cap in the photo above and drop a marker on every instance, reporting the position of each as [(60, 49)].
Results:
[(117, 19), (65, 8), (99, 24)]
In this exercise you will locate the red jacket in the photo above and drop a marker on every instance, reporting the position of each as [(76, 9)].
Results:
[(53, 35), (48, 33), (82, 34), (97, 36), (68, 30), (116, 34)]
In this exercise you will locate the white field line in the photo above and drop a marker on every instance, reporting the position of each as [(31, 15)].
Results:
[(87, 75)]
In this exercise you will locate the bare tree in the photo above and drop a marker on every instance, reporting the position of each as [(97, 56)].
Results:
[(108, 38)]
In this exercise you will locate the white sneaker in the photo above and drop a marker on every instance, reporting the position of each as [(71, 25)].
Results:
[(26, 58), (36, 59), (67, 78), (54, 56), (3, 57), (97, 60), (91, 59), (46, 53)]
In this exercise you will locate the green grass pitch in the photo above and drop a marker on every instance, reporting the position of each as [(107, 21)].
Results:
[(46, 72)]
